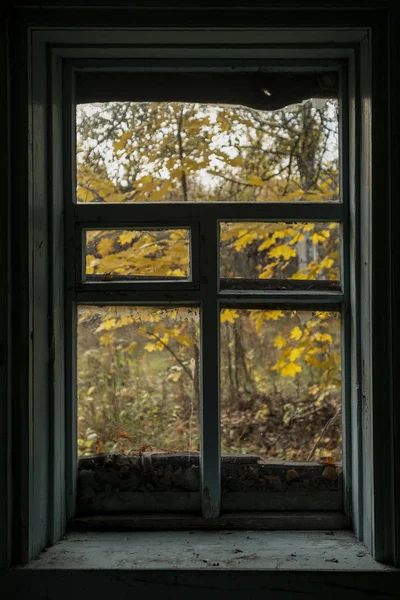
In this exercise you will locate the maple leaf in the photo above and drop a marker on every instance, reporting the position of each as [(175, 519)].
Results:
[(229, 316), (127, 237), (296, 353), (284, 250), (105, 339), (323, 337), (279, 342), (274, 315), (245, 240), (296, 333), (105, 246), (290, 369)]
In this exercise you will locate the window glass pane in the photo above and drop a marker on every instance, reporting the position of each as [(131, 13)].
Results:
[(281, 384), (126, 254), (191, 152), (138, 379), (272, 252)]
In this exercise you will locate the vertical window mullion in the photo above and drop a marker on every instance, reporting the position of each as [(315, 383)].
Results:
[(210, 459)]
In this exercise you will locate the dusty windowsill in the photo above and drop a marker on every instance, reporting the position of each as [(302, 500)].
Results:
[(208, 550)]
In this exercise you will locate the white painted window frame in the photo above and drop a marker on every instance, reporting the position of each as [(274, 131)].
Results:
[(49, 449)]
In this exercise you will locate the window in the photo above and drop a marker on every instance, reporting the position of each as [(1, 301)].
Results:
[(211, 276), (86, 66)]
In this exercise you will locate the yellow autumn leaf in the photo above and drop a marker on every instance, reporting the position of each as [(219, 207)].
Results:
[(245, 240), (296, 333), (157, 195), (259, 322), (238, 161), (127, 237), (323, 337), (268, 272), (178, 234), (255, 180), (313, 196), (274, 315), (150, 347), (314, 362), (177, 273), (326, 263), (90, 264), (106, 325), (285, 251), (125, 320), (131, 346), (105, 246), (229, 316), (105, 339), (266, 244), (290, 369), (120, 145), (295, 353), (176, 376), (317, 237), (184, 340), (279, 342), (323, 315)]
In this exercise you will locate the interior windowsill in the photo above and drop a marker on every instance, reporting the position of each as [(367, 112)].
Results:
[(208, 550)]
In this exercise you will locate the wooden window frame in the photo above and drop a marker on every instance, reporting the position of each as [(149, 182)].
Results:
[(44, 461), (203, 220)]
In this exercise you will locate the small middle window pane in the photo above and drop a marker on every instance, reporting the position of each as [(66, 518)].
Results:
[(268, 254), (134, 254)]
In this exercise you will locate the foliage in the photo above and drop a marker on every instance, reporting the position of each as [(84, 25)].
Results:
[(138, 368)]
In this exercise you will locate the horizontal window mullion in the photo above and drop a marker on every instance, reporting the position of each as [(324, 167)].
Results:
[(139, 286), (162, 296), (158, 215), (151, 296)]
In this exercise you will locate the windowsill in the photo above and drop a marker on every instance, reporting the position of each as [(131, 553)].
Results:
[(208, 550)]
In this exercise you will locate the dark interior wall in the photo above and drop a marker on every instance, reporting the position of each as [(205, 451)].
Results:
[(127, 12), (5, 333), (197, 585)]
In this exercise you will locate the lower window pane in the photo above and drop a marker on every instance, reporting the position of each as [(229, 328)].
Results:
[(138, 380), (281, 384), (281, 410)]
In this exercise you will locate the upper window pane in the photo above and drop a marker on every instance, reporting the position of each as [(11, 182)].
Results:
[(223, 148)]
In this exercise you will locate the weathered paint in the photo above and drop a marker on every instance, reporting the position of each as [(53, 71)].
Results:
[(202, 550)]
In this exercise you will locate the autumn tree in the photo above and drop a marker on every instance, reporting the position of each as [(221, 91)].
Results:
[(276, 366)]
